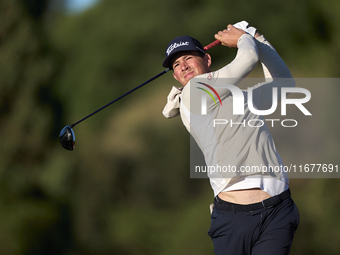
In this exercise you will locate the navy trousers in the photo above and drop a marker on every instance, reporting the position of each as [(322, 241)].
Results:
[(262, 228)]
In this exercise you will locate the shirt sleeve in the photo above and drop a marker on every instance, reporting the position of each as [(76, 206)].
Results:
[(245, 61), (276, 73)]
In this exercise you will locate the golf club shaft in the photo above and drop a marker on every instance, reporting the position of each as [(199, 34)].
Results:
[(209, 46), (127, 93)]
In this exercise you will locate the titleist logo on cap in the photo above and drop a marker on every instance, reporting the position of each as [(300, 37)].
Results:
[(175, 45)]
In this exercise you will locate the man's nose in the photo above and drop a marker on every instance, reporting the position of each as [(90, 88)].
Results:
[(184, 65)]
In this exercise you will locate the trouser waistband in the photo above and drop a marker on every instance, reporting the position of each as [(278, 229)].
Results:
[(267, 203)]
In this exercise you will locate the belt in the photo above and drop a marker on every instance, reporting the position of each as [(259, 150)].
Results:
[(267, 203)]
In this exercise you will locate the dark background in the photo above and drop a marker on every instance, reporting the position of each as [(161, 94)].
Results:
[(125, 189)]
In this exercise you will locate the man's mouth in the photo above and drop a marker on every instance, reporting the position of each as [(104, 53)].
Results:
[(189, 75)]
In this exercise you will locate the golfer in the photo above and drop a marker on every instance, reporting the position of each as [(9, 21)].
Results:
[(253, 213)]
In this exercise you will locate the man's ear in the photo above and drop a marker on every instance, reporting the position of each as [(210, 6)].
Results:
[(207, 59)]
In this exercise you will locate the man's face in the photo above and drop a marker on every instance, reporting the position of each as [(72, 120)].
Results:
[(189, 64)]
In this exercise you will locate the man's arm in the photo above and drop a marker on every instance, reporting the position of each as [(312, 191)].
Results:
[(272, 64), (247, 55), (275, 71)]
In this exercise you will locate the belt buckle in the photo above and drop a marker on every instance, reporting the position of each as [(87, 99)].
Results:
[(266, 207)]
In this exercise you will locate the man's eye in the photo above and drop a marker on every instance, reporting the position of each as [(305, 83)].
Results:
[(189, 57)]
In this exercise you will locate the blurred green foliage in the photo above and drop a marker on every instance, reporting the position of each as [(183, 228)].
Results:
[(126, 188)]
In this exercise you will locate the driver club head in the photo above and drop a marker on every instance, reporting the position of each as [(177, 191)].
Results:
[(67, 138)]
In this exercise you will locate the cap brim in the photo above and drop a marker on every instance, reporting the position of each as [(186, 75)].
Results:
[(167, 61)]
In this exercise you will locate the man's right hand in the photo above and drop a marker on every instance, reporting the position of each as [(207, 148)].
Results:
[(230, 36)]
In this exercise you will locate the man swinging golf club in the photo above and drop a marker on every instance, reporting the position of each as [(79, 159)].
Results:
[(252, 213)]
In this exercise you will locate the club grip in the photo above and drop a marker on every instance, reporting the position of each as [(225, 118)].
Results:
[(213, 44)]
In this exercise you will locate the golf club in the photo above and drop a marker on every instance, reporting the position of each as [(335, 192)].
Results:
[(67, 138)]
